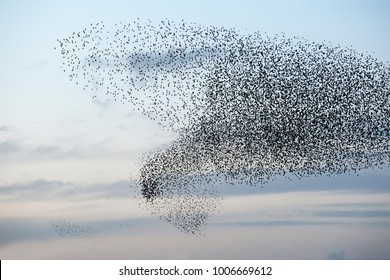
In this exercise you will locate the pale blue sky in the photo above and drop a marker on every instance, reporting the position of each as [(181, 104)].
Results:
[(65, 155)]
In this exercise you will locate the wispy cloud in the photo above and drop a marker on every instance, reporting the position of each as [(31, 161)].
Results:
[(46, 149), (371, 182), (44, 189), (354, 214), (14, 147), (9, 147), (273, 223), (37, 65), (17, 230), (6, 128), (337, 255)]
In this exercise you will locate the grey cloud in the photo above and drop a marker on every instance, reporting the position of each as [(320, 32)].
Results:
[(273, 223), (364, 183), (6, 128), (45, 189), (102, 103), (171, 59), (337, 255), (14, 146), (354, 214), (36, 65), (362, 205), (18, 230), (121, 189), (31, 190), (46, 149), (314, 221), (9, 147)]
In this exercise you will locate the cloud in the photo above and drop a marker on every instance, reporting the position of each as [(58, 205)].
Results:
[(273, 223), (66, 148), (54, 189), (103, 103), (6, 128), (371, 182), (9, 147), (46, 149), (17, 230), (170, 60), (37, 65), (37, 189), (354, 214), (13, 146), (337, 255)]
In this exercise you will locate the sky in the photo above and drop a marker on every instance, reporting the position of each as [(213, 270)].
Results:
[(67, 160)]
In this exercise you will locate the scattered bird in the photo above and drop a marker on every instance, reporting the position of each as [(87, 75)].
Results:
[(247, 108), (68, 229)]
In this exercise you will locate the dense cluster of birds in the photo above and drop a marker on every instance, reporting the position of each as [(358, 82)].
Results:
[(247, 107)]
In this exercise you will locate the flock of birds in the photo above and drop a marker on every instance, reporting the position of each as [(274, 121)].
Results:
[(247, 108), (68, 229)]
